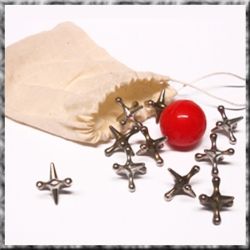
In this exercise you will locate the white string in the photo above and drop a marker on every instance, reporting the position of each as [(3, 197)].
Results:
[(213, 74), (191, 84)]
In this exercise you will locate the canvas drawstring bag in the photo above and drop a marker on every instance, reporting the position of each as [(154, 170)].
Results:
[(61, 82)]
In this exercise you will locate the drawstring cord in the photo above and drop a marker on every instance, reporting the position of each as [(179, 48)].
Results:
[(191, 84)]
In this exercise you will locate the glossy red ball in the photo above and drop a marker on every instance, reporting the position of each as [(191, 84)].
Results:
[(184, 123)]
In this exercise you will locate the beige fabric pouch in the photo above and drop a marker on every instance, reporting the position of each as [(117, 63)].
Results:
[(61, 82)]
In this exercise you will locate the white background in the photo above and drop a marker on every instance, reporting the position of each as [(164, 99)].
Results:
[(183, 42)]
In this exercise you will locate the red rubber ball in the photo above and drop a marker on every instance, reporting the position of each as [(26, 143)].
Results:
[(184, 123)]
